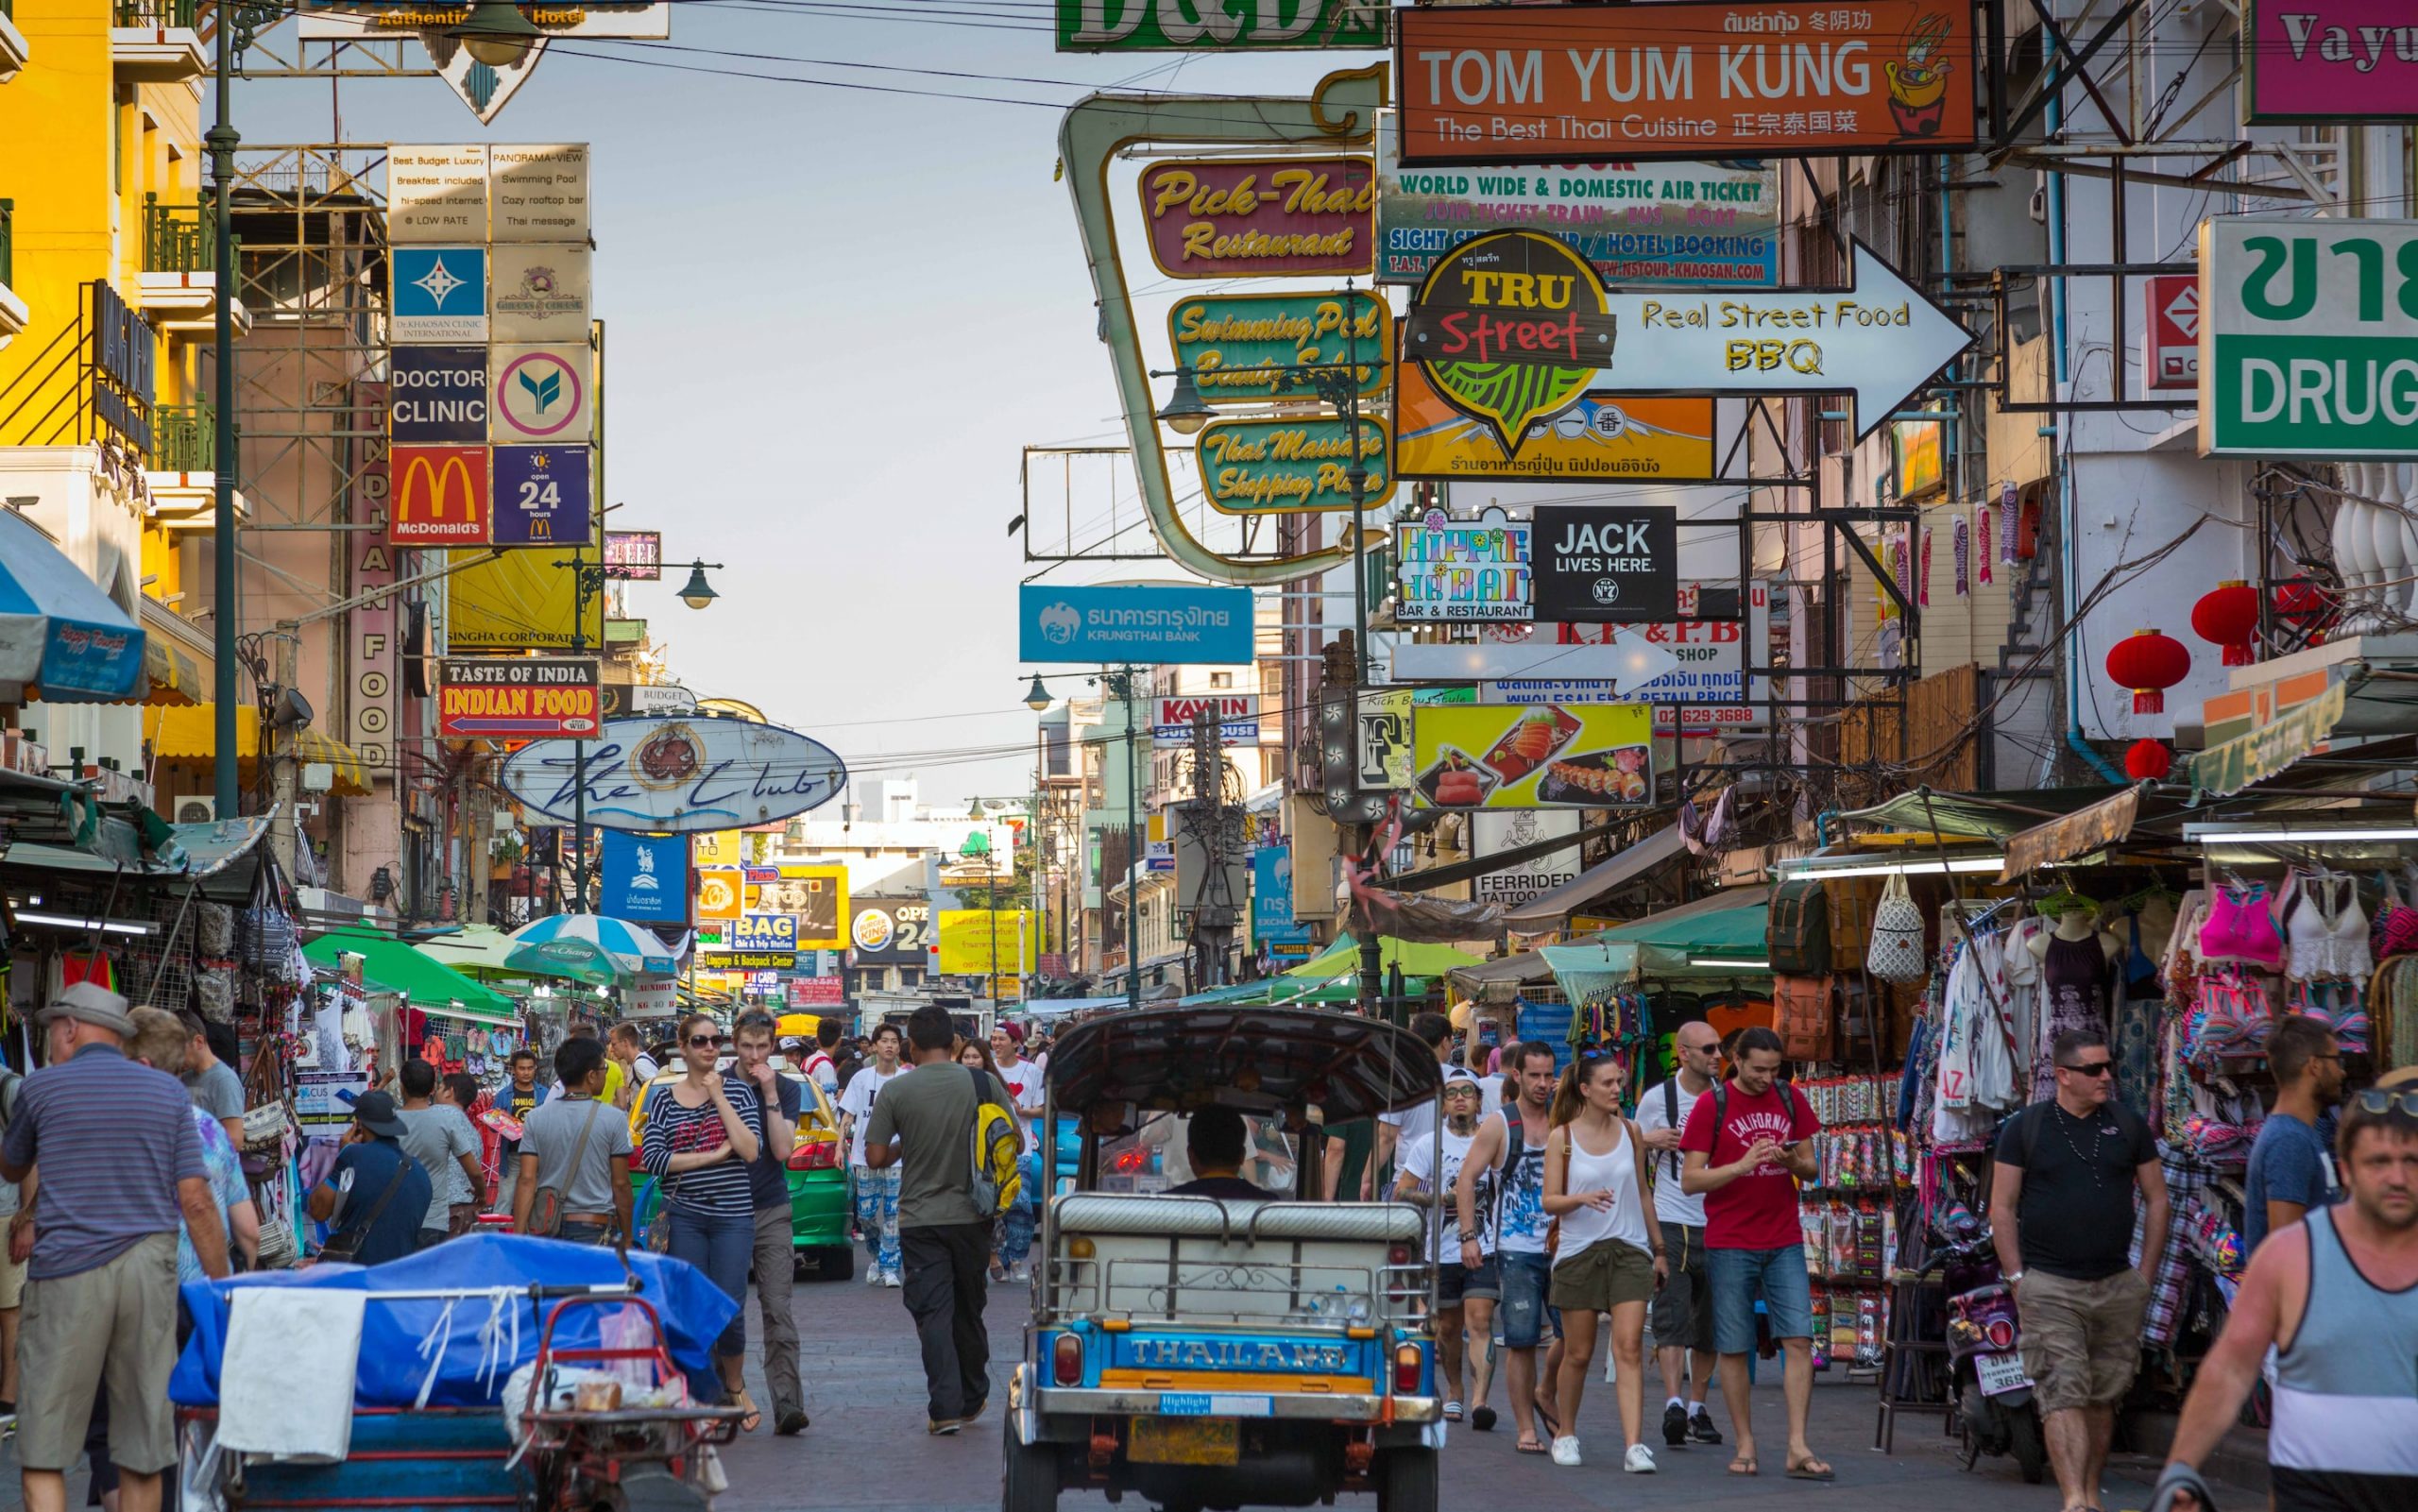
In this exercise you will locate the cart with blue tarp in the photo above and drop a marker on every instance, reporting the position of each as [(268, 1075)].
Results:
[(493, 1371)]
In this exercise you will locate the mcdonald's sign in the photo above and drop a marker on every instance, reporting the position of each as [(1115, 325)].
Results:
[(440, 496)]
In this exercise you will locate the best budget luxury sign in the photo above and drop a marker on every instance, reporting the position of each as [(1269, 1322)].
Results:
[(1142, 623)]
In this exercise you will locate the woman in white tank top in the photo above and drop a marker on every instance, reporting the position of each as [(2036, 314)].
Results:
[(1609, 1256)]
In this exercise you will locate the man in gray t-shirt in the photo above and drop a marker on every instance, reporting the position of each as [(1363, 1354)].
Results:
[(215, 1089), (441, 1139), (596, 1190)]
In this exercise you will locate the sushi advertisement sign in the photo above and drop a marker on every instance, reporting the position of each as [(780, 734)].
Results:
[(1545, 755)]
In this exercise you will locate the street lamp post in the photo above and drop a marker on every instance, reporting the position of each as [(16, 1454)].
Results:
[(1135, 850), (221, 140)]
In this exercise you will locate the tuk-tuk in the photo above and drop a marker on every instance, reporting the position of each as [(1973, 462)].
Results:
[(1218, 1352)]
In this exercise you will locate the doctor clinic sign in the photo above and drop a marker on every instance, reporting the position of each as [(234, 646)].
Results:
[(2308, 338)]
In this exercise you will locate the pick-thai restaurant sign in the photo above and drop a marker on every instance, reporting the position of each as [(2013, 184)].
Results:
[(518, 698), (1606, 438), (1235, 715), (1451, 572), (1217, 25), (2309, 337), (1252, 467), (678, 774), (2329, 60), (1606, 564), (1258, 217), (1247, 349), (1694, 223), (1774, 78)]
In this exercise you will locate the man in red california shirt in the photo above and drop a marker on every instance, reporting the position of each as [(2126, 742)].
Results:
[(1748, 1142)]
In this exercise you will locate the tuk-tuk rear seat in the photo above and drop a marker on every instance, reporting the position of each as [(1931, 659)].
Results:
[(1159, 1214)]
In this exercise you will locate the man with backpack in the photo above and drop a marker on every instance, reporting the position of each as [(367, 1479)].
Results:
[(1747, 1143), (1683, 1311), (1508, 1154), (930, 1123)]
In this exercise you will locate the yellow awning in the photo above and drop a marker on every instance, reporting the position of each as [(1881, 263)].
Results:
[(189, 733)]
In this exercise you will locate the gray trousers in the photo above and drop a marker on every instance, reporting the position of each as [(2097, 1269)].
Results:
[(776, 1263)]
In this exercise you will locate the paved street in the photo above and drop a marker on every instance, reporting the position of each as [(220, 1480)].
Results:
[(868, 1448)]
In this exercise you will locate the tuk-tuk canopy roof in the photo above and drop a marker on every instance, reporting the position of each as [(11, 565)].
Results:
[(1174, 1060)]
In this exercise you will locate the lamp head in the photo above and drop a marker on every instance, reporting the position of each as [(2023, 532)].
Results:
[(1185, 412), (697, 593), (1036, 698), (496, 33)]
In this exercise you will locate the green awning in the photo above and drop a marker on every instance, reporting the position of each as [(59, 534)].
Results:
[(1415, 959), (1978, 815), (1727, 926), (390, 965)]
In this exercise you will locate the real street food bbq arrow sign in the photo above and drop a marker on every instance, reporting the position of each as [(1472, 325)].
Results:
[(1514, 327)]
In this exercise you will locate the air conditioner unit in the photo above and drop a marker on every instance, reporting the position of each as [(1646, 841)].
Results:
[(196, 809)]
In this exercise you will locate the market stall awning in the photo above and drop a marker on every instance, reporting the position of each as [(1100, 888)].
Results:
[(1500, 980), (479, 950), (2092, 827), (1592, 967), (190, 733), (1703, 937), (1976, 815), (387, 964), (59, 632), (1414, 959), (1548, 909)]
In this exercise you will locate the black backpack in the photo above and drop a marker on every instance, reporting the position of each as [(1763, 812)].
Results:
[(1798, 934)]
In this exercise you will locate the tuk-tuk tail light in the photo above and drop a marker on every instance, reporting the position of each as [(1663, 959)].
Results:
[(1410, 1363), (1066, 1360), (1080, 1248)]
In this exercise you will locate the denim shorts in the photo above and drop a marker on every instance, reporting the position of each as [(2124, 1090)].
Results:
[(1457, 1284), (1524, 1313), (1738, 1275)]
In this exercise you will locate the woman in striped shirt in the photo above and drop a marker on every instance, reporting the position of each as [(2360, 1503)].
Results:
[(700, 1135)]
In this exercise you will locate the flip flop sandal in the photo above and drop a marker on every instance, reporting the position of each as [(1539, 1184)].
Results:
[(1803, 1471), (1452, 1412), (1551, 1421), (1529, 1447), (1746, 1460)]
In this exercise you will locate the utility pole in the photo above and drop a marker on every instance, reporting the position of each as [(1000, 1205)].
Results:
[(1134, 848), (221, 141), (1213, 904)]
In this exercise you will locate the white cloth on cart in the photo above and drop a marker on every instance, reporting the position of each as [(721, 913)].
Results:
[(285, 1380)]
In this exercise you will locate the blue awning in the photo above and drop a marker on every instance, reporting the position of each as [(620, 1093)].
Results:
[(57, 630)]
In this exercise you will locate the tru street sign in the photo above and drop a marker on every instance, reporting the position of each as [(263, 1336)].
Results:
[(1502, 300)]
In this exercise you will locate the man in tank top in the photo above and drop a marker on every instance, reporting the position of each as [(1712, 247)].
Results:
[(2337, 1295)]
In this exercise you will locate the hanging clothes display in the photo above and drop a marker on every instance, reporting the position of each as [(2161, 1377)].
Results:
[(2074, 991)]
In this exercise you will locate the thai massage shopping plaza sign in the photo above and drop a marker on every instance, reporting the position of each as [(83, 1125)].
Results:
[(2308, 338)]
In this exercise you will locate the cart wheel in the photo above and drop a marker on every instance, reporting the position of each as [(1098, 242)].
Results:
[(1031, 1481), (1406, 1481)]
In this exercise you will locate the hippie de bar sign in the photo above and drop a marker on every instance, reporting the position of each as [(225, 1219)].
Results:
[(1516, 84)]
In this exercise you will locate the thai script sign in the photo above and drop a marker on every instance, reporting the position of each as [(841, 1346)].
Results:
[(1217, 25), (1251, 347), (1654, 223), (2308, 338), (1775, 79), (1447, 570), (1611, 437), (1250, 467), (2330, 61), (1145, 622), (1256, 217)]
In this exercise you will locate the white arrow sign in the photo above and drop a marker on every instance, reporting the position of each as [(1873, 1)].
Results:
[(1878, 339)]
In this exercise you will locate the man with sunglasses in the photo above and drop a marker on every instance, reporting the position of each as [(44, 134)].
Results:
[(2290, 1170), (2337, 1296), (2061, 1212)]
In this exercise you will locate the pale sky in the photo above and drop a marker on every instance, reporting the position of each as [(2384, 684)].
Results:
[(835, 318)]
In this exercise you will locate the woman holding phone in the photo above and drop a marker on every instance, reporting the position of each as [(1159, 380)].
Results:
[(1609, 1255), (700, 1135)]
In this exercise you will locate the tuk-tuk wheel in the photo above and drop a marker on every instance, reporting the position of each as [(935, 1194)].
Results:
[(1407, 1480), (1033, 1481)]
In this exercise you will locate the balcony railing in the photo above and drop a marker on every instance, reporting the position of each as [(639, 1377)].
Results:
[(177, 238), (154, 13), (184, 438), (7, 234)]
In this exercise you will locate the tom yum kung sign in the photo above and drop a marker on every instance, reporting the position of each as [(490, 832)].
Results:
[(1460, 571), (1520, 84), (1237, 218), (1249, 347), (518, 698), (1251, 467)]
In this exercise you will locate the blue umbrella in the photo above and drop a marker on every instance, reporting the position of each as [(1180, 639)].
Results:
[(590, 946)]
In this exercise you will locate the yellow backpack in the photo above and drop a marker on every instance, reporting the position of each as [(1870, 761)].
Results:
[(995, 1161)]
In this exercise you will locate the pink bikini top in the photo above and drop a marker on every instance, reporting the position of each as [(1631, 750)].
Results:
[(2241, 929)]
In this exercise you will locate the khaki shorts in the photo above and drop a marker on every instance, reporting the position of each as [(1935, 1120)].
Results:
[(13, 1276), (1602, 1276), (2082, 1339), (115, 1322)]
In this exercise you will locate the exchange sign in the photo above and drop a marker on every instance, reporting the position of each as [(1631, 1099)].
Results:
[(1780, 79), (1259, 217), (440, 496), (678, 775), (1247, 347), (1217, 25), (518, 698), (1253, 466), (1544, 755), (2308, 338), (1449, 571), (1603, 437)]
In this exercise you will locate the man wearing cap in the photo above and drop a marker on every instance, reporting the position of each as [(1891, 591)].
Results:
[(379, 1191), (121, 1164)]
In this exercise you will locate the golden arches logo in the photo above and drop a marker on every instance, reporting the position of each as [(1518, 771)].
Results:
[(424, 494)]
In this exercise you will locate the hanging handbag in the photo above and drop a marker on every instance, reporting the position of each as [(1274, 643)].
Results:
[(1897, 953)]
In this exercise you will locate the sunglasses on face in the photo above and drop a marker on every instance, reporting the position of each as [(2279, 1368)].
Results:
[(2378, 1100), (703, 1040), (2092, 1068)]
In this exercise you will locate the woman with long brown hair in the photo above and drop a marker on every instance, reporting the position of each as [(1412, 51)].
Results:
[(700, 1135), (1609, 1257)]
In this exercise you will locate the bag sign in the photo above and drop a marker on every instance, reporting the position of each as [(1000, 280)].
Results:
[(2308, 338)]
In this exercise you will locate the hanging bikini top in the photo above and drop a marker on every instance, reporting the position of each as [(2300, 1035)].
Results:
[(2242, 926), (2394, 930), (2327, 934)]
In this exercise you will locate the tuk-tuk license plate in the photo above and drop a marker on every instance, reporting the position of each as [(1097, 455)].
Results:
[(1185, 1441), (2000, 1373)]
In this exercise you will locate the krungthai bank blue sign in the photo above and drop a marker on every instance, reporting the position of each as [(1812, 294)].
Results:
[(1148, 623)]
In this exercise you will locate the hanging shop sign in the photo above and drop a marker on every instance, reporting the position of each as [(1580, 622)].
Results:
[(1620, 656), (645, 878), (439, 293), (1143, 624), (518, 698), (516, 601), (1236, 716), (815, 897), (765, 931), (1705, 690), (1606, 564), (539, 291), (1603, 437), (759, 961), (1449, 571), (538, 192), (1694, 223), (1251, 347), (717, 890), (542, 495), (1271, 895), (440, 496), (436, 194), (370, 624), (437, 396), (2313, 60), (2172, 351), (538, 394), (1383, 754), (1259, 217), (2225, 769), (1543, 756), (680, 774), (1493, 833), (2306, 333), (971, 939), (632, 555), (1217, 25), (125, 357), (818, 992), (890, 931), (1777, 79), (1509, 329), (1262, 467)]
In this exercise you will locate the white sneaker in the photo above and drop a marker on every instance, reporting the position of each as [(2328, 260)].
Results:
[(890, 1277), (1019, 1273), (1641, 1460), (873, 1275), (1565, 1450)]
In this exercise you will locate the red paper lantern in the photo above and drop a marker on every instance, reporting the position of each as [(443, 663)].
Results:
[(2149, 662), (2148, 761), (2229, 617)]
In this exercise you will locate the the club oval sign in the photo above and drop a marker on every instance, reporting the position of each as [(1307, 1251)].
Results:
[(693, 774)]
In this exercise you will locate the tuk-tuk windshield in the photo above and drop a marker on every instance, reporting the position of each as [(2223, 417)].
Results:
[(1153, 1157)]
